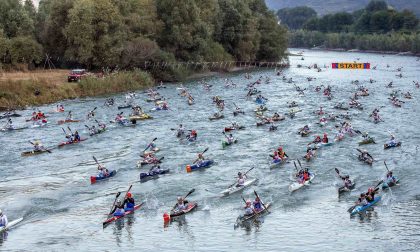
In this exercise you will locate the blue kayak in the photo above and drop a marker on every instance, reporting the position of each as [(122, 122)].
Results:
[(392, 145), (260, 101), (94, 179), (386, 185), (203, 164), (144, 176), (361, 209)]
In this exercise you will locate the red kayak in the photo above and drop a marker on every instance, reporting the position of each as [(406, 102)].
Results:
[(114, 218), (71, 142), (67, 121)]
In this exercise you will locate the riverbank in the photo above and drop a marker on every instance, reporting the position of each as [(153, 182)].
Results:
[(19, 90), (362, 51)]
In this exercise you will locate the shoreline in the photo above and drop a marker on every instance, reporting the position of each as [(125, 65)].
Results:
[(359, 51)]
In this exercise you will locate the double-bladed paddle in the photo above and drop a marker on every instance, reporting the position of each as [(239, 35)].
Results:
[(244, 175), (256, 194), (376, 189), (201, 154), (386, 166), (42, 146), (154, 139), (191, 191)]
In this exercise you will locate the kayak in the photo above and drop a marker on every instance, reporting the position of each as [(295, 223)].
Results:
[(235, 113), (280, 118), (124, 106), (8, 115), (233, 128), (12, 129), (387, 146), (260, 109), (10, 225), (367, 141), (225, 143), (71, 142), (98, 131), (245, 218), (190, 207), (320, 145), (140, 117), (67, 121), (344, 189), (304, 133), (361, 209), (38, 124), (368, 161), (114, 218), (262, 123), (211, 118), (144, 163), (33, 152), (296, 185), (276, 162), (126, 123), (386, 185), (159, 108), (145, 176), (154, 99), (260, 101), (235, 188), (203, 164), (151, 151), (94, 179)]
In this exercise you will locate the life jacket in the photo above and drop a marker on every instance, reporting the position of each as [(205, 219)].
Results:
[(257, 206), (305, 176), (119, 212), (325, 140), (282, 154), (129, 204)]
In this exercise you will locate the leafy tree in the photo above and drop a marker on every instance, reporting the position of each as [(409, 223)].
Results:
[(376, 5), (294, 18), (14, 20), (25, 50)]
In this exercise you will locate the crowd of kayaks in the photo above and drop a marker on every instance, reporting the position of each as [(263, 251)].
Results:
[(303, 177)]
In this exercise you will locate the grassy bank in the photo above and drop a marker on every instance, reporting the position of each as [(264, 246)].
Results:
[(43, 88)]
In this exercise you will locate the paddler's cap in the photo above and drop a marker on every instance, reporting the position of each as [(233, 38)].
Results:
[(129, 194), (239, 173), (179, 198), (248, 202)]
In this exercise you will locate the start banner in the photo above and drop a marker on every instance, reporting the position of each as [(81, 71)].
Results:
[(351, 65)]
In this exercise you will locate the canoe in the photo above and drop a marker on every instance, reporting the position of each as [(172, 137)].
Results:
[(98, 131), (367, 141), (296, 185), (94, 179), (345, 189), (10, 225), (6, 115), (386, 185), (69, 143), (145, 176), (245, 218), (235, 188), (140, 117), (225, 143), (190, 207), (276, 163), (124, 106), (33, 152), (203, 164), (211, 118), (13, 129), (388, 146), (114, 218), (67, 121), (361, 209)]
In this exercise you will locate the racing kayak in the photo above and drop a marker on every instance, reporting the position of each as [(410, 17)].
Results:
[(226, 143), (368, 160), (344, 189), (67, 121), (361, 209), (140, 117), (124, 106), (94, 179), (33, 152), (159, 108), (151, 151), (71, 142), (98, 131), (237, 112), (13, 129), (260, 101), (386, 185), (146, 176), (220, 116), (235, 188), (387, 146), (320, 145), (190, 207), (8, 115), (276, 163), (227, 129), (367, 141), (260, 109), (304, 133), (245, 218), (296, 185), (114, 218), (10, 225), (203, 164)]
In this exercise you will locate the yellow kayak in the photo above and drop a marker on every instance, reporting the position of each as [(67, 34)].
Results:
[(140, 117)]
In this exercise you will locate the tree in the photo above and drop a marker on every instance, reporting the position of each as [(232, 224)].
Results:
[(294, 18), (25, 50), (380, 21), (14, 20), (376, 5)]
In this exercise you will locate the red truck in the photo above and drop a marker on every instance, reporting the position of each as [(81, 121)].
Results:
[(76, 75)]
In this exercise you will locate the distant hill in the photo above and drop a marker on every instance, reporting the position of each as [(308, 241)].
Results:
[(323, 7)]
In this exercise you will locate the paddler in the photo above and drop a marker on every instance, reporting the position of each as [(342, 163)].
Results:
[(38, 146), (103, 171), (118, 209), (180, 131), (370, 195), (93, 130), (69, 116), (76, 137), (390, 179), (347, 182), (257, 205), (9, 124), (3, 219), (362, 200), (316, 141), (241, 179), (392, 141), (155, 170), (230, 139), (276, 116), (325, 138), (248, 208), (309, 154), (200, 158), (193, 135), (129, 202), (181, 204), (91, 114), (364, 155), (282, 154), (119, 117), (60, 108)]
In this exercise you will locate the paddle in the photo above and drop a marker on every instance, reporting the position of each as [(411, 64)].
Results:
[(256, 194), (295, 166), (376, 189), (338, 173), (366, 153), (113, 204), (87, 127), (386, 166), (96, 160), (252, 209), (191, 191), (68, 127), (299, 163), (244, 175), (150, 144), (201, 154), (42, 147)]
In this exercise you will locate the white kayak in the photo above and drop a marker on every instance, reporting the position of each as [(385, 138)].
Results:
[(296, 185), (235, 188), (10, 225)]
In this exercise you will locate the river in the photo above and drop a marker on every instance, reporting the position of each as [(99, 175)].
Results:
[(63, 212)]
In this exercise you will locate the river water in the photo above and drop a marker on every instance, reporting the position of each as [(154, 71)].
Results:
[(62, 211)]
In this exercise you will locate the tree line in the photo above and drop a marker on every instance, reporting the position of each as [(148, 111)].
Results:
[(112, 33)]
